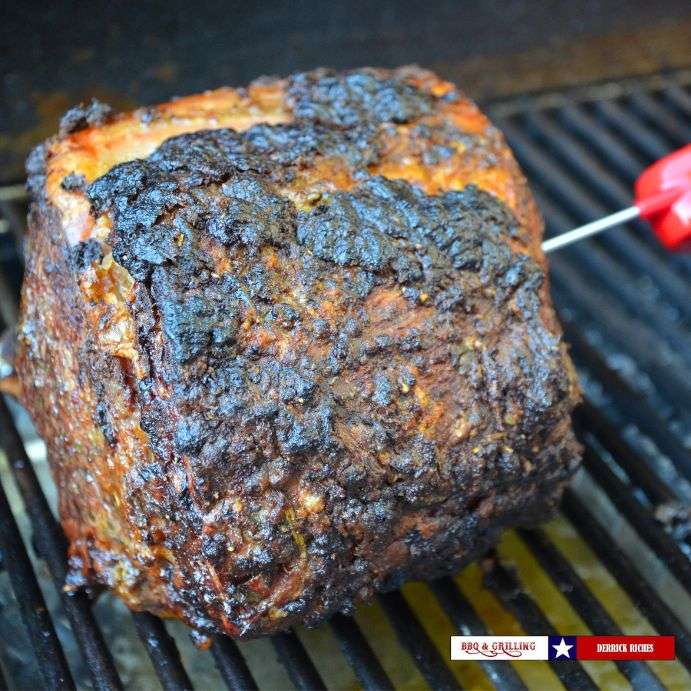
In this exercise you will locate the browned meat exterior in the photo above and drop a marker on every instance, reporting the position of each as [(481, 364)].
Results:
[(290, 345)]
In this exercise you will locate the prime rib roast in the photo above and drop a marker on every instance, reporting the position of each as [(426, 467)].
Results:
[(289, 345)]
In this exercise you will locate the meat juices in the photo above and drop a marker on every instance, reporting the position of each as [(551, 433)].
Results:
[(290, 345)]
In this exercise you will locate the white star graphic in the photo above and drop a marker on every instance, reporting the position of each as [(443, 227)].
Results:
[(562, 649)]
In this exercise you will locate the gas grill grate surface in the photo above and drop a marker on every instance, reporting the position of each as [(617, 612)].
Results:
[(615, 560)]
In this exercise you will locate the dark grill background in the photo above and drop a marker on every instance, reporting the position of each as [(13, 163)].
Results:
[(616, 559)]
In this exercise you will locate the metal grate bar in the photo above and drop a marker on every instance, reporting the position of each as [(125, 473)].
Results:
[(591, 173), (232, 666), (610, 149), (616, 282), (508, 589), (51, 546), (595, 267), (162, 651), (467, 623), (293, 656), (49, 654), (588, 421), (359, 654), (618, 564), (665, 367), (679, 98), (562, 143), (571, 195), (663, 120), (585, 603), (633, 403), (9, 311), (631, 129), (10, 210), (416, 641), (594, 175), (614, 153), (639, 517), (677, 135)]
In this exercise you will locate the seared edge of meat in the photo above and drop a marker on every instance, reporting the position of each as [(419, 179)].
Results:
[(293, 381)]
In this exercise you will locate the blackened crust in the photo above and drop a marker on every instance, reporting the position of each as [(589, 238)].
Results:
[(93, 114), (337, 387)]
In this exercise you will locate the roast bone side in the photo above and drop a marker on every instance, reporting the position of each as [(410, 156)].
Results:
[(299, 353)]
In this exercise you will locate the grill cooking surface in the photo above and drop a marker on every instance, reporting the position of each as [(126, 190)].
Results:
[(615, 560)]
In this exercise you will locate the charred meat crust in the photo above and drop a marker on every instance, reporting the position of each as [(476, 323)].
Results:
[(305, 381), (82, 116)]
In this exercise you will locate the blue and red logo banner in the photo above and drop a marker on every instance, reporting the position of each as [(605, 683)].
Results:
[(562, 648)]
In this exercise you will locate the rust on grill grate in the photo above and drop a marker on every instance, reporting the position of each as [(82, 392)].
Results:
[(615, 561)]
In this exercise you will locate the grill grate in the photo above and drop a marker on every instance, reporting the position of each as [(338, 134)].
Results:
[(616, 560)]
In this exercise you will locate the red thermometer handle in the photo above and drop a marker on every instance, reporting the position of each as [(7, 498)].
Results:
[(662, 197)]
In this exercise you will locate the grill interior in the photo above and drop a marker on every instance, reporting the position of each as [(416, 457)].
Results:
[(615, 560)]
